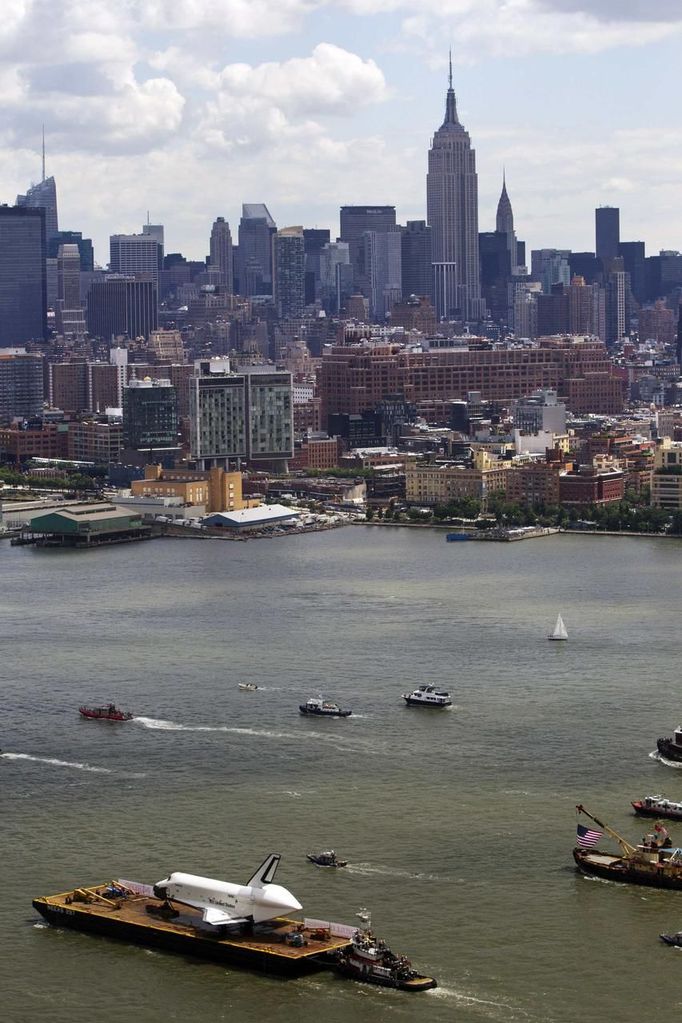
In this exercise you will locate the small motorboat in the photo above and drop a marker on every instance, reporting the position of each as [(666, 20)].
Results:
[(560, 631), (326, 859), (248, 687), (672, 939), (323, 708), (658, 806), (427, 696), (108, 712)]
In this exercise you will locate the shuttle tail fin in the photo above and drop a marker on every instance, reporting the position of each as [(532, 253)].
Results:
[(266, 872)]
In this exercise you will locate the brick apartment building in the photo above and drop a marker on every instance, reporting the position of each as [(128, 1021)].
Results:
[(353, 378)]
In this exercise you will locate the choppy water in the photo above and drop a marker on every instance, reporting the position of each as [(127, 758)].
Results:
[(459, 825)]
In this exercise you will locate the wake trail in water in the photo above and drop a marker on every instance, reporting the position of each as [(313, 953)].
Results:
[(76, 765), (300, 737), (655, 755), (378, 868)]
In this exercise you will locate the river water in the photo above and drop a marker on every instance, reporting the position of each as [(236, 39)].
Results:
[(458, 824)]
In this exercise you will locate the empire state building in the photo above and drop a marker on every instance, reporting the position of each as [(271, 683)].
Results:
[(452, 214)]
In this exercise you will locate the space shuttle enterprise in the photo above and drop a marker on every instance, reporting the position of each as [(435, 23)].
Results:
[(224, 904)]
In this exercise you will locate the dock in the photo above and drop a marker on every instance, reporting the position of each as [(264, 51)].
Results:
[(282, 946)]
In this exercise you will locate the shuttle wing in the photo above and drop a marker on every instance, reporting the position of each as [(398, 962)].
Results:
[(218, 917)]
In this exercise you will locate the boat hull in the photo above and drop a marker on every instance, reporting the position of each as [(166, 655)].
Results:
[(595, 863), (316, 861), (668, 749), (174, 940), (417, 983), (92, 715), (423, 703), (672, 939), (324, 713), (650, 811)]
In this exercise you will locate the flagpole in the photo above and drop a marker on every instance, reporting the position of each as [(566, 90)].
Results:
[(625, 845)]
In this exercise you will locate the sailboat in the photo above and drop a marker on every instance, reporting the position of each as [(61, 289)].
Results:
[(559, 630)]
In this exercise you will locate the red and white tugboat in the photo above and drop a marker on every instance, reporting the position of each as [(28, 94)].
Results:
[(108, 712), (370, 960)]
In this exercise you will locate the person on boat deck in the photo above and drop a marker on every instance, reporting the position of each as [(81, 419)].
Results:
[(661, 836)]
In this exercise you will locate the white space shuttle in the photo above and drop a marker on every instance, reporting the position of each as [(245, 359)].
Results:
[(224, 903)]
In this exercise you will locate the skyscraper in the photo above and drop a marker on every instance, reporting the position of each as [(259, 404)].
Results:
[(221, 257), (383, 267), (69, 312), (452, 214), (150, 415), (417, 274), (21, 384), (288, 265), (607, 231), (256, 229), (336, 275), (122, 304), (633, 255), (354, 221), (504, 224), (43, 196), (23, 281), (314, 239), (136, 254)]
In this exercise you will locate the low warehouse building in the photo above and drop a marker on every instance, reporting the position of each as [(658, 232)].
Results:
[(91, 525), (253, 518)]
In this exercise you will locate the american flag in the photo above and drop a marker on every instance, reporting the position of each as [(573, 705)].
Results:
[(587, 838)]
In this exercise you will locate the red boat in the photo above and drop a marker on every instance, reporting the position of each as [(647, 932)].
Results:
[(109, 712)]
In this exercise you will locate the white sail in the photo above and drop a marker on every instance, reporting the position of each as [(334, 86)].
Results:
[(559, 629)]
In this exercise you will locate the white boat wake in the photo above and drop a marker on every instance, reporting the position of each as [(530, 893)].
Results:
[(53, 762), (655, 755), (300, 737)]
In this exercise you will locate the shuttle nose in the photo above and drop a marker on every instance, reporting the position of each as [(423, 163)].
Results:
[(279, 900)]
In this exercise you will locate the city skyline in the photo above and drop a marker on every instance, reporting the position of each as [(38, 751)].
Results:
[(286, 116)]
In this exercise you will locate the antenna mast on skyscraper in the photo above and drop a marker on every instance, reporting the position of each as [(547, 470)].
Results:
[(43, 178), (450, 72)]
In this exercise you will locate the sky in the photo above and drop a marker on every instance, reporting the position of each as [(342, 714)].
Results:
[(188, 108)]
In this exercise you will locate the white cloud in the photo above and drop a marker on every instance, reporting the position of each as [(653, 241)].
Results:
[(239, 18), (505, 28)]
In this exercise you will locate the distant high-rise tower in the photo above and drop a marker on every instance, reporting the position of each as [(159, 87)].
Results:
[(69, 312), (452, 214), (221, 253), (43, 196), (504, 224), (23, 281), (607, 231), (256, 229), (288, 264), (354, 221)]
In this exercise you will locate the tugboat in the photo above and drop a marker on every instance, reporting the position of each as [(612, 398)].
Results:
[(671, 748), (326, 859), (323, 708), (370, 960), (658, 806), (109, 712), (653, 862), (427, 696)]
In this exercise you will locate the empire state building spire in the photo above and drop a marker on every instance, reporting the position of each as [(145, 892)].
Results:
[(451, 118), (452, 214)]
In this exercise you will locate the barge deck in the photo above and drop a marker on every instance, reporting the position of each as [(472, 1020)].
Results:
[(281, 946)]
